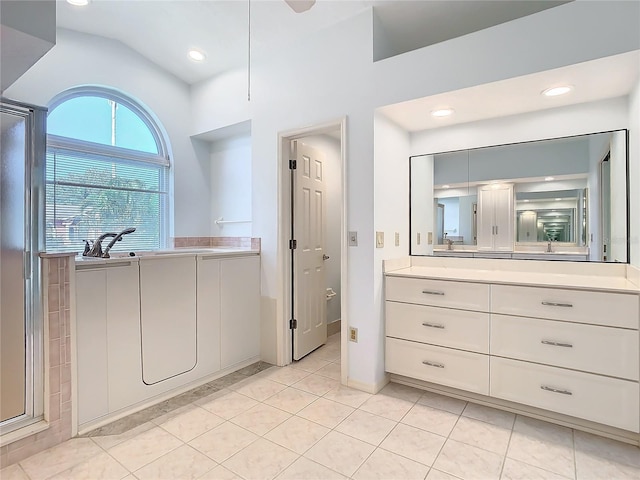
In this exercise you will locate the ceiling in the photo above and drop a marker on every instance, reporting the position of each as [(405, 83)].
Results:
[(600, 79), (163, 30)]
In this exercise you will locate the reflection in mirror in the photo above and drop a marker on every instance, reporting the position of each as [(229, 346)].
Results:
[(558, 199)]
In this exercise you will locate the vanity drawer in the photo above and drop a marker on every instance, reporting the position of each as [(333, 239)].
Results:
[(603, 350), (598, 308), (438, 326), (438, 293), (445, 366), (584, 395)]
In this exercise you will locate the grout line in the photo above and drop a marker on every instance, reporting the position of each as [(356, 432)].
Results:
[(506, 452)]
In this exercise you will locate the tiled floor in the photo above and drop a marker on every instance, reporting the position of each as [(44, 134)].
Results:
[(297, 422)]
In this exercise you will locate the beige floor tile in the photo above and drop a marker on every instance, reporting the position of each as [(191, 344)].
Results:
[(340, 453), (482, 435), (430, 419), (596, 466), (220, 473), (262, 460), (607, 449), (551, 453), (102, 467), (515, 470), (326, 412), (291, 400), (297, 434), (109, 441), (366, 426), (145, 448), (226, 403), (60, 458), (414, 443), (223, 441), (285, 375), (438, 475), (190, 422), (305, 469), (384, 465), (316, 384), (348, 396), (388, 407), (404, 392), (182, 463), (490, 415), (332, 371), (261, 418), (310, 364), (442, 402), (468, 462), (260, 389), (542, 430), (330, 353), (13, 472)]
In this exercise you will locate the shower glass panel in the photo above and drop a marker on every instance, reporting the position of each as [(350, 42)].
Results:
[(21, 386)]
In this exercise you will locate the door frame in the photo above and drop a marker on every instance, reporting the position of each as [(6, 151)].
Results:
[(283, 308)]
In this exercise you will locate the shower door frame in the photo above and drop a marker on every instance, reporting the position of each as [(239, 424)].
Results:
[(34, 197)]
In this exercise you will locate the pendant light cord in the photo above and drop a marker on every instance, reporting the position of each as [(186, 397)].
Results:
[(249, 53)]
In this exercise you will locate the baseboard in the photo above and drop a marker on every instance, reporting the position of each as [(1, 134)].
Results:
[(368, 387), (333, 328)]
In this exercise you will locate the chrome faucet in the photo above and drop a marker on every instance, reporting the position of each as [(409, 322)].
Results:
[(95, 250), (449, 244), (549, 247)]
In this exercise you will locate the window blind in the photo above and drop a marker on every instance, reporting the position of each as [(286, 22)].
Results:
[(89, 193)]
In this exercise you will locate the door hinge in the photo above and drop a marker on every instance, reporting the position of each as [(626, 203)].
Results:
[(293, 324), (293, 164), (293, 244)]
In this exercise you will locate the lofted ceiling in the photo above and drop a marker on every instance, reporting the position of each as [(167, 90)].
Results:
[(163, 30)]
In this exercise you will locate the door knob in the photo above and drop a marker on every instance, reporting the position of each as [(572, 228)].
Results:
[(325, 257)]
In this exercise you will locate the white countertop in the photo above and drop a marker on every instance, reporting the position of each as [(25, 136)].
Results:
[(177, 252), (535, 279)]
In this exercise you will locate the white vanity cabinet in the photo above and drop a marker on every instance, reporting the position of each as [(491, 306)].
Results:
[(107, 330), (495, 218), (570, 349)]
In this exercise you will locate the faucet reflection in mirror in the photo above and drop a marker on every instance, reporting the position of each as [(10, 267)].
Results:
[(95, 250), (571, 191)]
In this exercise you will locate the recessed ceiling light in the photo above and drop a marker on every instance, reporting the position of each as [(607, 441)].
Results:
[(558, 199), (442, 112), (555, 91), (526, 200), (446, 186), (548, 179), (196, 55), (79, 3)]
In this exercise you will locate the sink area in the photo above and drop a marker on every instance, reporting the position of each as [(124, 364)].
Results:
[(120, 256)]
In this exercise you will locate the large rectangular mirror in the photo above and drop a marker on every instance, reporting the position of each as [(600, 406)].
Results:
[(556, 199)]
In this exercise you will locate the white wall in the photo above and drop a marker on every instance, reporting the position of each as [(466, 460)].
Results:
[(330, 146), (330, 74), (618, 167), (231, 186), (79, 59), (634, 173)]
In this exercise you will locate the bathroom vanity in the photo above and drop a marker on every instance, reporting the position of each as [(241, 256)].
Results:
[(554, 340), (154, 325)]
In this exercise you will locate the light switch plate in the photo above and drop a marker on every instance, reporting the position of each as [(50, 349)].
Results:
[(418, 238), (379, 239), (430, 238), (353, 334), (397, 239), (353, 239)]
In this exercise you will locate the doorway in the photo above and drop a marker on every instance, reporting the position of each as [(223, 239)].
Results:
[(293, 294)]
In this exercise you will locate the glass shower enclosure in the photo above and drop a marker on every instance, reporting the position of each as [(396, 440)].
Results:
[(22, 152)]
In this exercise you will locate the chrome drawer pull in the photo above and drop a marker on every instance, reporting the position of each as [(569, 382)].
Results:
[(555, 390), (556, 344), (432, 325), (433, 364), (554, 304), (432, 292)]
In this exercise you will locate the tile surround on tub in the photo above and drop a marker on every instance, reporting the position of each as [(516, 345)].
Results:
[(57, 314), (239, 242)]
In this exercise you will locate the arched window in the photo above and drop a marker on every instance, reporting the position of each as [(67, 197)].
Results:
[(107, 169)]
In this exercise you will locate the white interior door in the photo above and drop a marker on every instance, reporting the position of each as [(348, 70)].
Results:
[(309, 286)]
